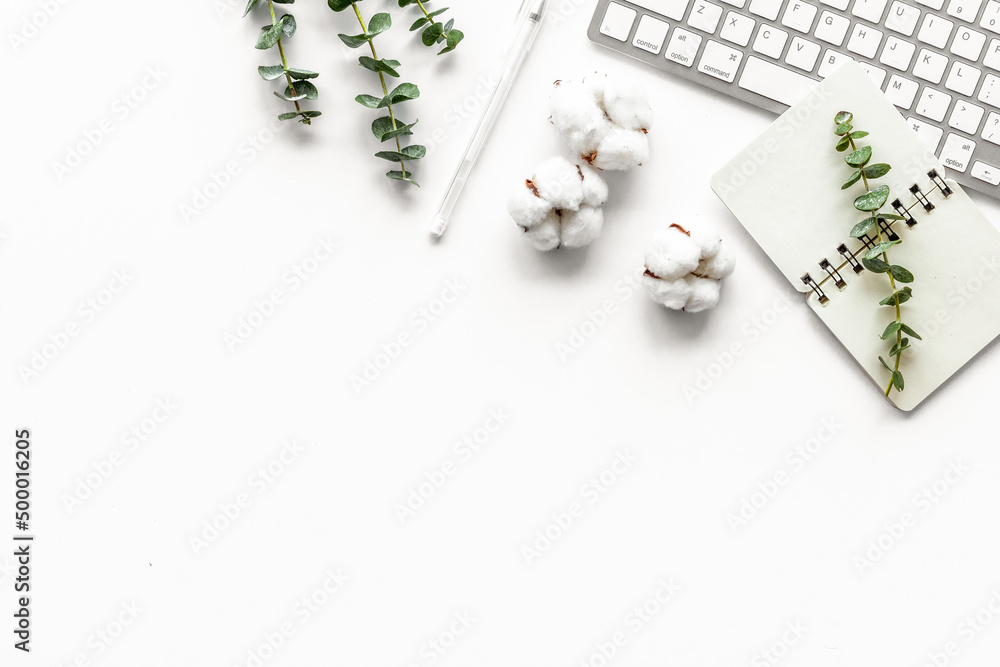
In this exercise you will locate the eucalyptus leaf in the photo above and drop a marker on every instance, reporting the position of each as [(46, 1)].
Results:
[(863, 228), (288, 25), (843, 144), (858, 135), (338, 5), (402, 176), (269, 37), (897, 380), (874, 200), (250, 5), (908, 331), (875, 265), (354, 41), (877, 170), (296, 73), (843, 129), (855, 177), (890, 330), (370, 101), (271, 72), (901, 275), (843, 117), (860, 157), (877, 250), (379, 24)]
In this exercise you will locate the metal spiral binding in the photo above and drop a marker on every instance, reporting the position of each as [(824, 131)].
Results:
[(851, 258)]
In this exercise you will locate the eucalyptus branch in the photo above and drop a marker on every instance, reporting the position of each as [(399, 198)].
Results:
[(876, 258), (435, 32), (389, 127), (298, 87)]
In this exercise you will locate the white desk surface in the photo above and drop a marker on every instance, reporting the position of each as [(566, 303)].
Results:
[(804, 559)]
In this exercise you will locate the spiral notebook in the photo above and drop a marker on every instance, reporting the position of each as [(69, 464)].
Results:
[(785, 190)]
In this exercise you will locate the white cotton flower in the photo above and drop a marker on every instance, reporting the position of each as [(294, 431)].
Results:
[(604, 120), (685, 268), (560, 205)]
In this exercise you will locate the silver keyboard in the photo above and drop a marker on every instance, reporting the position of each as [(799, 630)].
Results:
[(938, 61)]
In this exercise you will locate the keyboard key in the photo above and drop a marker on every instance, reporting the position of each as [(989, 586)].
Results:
[(672, 9), (876, 74), (869, 10), (770, 41), (990, 92), (864, 40), (705, 16), (683, 47), (968, 43), (991, 131), (933, 4), (902, 18), (735, 3), (966, 117), (618, 22), (737, 28), (935, 30), (802, 54), (929, 134), (967, 10), (832, 28), (962, 78), (897, 53), (720, 61), (837, 4), (831, 61), (992, 58), (991, 17), (799, 16), (901, 91), (650, 34), (933, 104), (986, 172), (767, 9), (774, 82), (930, 66), (957, 152)]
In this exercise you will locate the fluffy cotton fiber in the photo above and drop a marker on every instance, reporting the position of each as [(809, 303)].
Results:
[(604, 120), (685, 268), (560, 205)]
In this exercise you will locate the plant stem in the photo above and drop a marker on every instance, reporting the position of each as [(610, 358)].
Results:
[(381, 78), (892, 281), (284, 62), (426, 13)]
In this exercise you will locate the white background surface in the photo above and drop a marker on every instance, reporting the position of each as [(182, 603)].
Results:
[(494, 348)]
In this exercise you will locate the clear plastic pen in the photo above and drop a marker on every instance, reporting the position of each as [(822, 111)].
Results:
[(529, 20)]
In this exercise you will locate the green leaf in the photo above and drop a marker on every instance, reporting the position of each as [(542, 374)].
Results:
[(269, 37), (858, 135), (431, 33), (303, 89), (403, 93), (297, 73), (402, 176), (250, 5), (408, 153), (890, 330), (288, 116), (855, 177), (438, 12), (877, 250), (338, 5), (860, 157), (406, 3), (271, 72), (370, 101), (843, 117), (418, 24), (287, 23), (354, 41), (875, 265), (899, 347), (843, 144), (379, 24), (284, 2), (907, 330), (310, 114), (889, 216), (288, 97), (874, 200), (901, 275), (843, 129), (383, 130), (887, 366), (384, 65), (897, 298), (862, 228), (453, 39), (897, 380), (877, 170)]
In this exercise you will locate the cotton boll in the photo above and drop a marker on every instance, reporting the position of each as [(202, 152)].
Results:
[(526, 208), (707, 239), (577, 117), (595, 188), (627, 104), (547, 234), (580, 228), (621, 150), (718, 267), (558, 181), (704, 294), (673, 255), (673, 294)]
